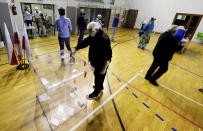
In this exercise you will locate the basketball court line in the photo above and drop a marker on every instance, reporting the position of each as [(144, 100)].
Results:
[(169, 89), (101, 105), (170, 109), (114, 104), (177, 93)]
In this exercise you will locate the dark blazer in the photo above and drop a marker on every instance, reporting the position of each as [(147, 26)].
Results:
[(81, 22), (99, 48), (166, 47)]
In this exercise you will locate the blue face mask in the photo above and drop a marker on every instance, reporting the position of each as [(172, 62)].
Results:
[(92, 34)]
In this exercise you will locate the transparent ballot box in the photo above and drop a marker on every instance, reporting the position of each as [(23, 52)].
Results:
[(66, 85)]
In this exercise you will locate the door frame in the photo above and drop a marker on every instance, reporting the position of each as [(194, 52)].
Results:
[(22, 11), (128, 23), (189, 21)]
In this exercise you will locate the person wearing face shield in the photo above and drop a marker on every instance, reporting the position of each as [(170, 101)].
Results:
[(99, 21), (163, 53), (100, 54), (81, 25), (28, 18)]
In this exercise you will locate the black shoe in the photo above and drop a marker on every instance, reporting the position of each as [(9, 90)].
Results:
[(138, 46), (93, 95), (142, 48), (147, 77), (201, 89), (154, 82)]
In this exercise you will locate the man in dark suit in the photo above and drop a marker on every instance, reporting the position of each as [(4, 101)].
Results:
[(163, 53), (100, 54), (81, 25)]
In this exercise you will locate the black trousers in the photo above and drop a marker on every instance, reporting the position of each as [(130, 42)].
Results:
[(37, 23), (153, 73), (29, 22), (99, 79)]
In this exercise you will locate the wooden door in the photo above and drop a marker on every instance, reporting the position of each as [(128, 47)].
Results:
[(131, 18)]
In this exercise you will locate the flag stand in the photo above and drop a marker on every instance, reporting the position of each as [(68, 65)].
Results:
[(22, 65)]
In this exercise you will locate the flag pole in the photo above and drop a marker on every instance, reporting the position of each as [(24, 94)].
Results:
[(24, 59), (23, 65)]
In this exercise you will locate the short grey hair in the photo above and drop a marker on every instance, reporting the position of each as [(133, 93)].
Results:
[(99, 15), (172, 29), (82, 11), (93, 25)]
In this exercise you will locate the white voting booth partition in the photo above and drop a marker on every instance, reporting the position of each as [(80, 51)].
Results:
[(65, 87)]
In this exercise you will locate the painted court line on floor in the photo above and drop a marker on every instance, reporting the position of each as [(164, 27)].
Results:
[(101, 105), (114, 104), (177, 93), (172, 91), (170, 109)]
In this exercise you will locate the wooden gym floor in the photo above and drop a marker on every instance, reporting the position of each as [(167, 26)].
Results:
[(136, 105)]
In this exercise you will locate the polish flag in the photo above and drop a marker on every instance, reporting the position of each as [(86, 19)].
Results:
[(26, 43), (18, 42), (12, 60)]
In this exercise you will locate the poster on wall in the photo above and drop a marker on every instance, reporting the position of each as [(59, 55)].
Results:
[(181, 17), (48, 7)]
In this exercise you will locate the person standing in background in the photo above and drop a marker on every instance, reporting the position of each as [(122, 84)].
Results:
[(42, 22), (63, 26), (142, 25), (37, 17), (99, 21), (147, 31), (28, 18), (163, 53), (114, 26), (179, 34), (81, 25)]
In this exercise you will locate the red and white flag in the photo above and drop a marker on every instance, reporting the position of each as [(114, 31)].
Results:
[(18, 42), (26, 43), (12, 60)]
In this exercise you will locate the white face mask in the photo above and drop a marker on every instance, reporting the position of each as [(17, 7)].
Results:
[(92, 34)]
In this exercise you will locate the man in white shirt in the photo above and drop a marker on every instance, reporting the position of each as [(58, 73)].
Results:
[(28, 18), (37, 16), (99, 21)]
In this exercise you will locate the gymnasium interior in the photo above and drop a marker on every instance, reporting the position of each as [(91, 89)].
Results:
[(38, 93)]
